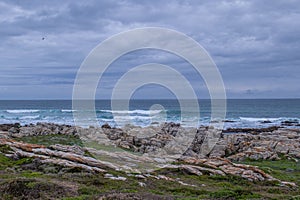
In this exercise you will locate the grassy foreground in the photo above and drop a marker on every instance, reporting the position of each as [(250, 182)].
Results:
[(24, 179)]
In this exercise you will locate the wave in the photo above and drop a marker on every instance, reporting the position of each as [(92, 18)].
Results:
[(132, 118), (68, 111), (22, 111), (106, 120), (253, 119), (143, 112), (30, 117)]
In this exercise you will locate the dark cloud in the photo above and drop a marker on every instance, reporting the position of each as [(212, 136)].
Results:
[(255, 44)]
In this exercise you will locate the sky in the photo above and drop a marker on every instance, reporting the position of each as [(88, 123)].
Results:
[(255, 44)]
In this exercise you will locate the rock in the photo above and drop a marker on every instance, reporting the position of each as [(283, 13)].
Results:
[(141, 184), (7, 127), (133, 196), (41, 129), (118, 178), (63, 158), (212, 136), (170, 128), (198, 155), (195, 147), (192, 170), (295, 153), (140, 176), (25, 188), (282, 148), (4, 135), (262, 145), (126, 145), (251, 130), (266, 122), (228, 121), (222, 167), (73, 149), (289, 123), (218, 151), (289, 184), (245, 144), (14, 130), (107, 126), (254, 154)]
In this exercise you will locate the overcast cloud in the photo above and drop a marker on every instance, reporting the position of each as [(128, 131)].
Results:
[(255, 44)]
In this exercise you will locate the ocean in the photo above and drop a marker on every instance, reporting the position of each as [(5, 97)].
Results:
[(241, 113)]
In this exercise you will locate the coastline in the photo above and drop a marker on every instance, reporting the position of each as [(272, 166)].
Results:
[(139, 139), (118, 157)]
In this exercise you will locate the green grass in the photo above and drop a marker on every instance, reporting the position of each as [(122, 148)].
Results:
[(6, 162), (96, 145), (233, 187), (91, 186), (48, 140), (81, 197), (284, 169), (31, 174), (239, 193), (5, 149), (28, 188)]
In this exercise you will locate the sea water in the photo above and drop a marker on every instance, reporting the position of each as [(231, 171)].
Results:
[(239, 113)]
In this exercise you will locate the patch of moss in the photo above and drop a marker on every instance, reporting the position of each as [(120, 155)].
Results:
[(187, 191), (30, 174), (284, 169), (130, 190), (234, 180), (6, 162), (84, 190), (4, 159), (5, 148), (295, 197), (81, 197), (30, 184), (234, 194), (88, 154), (23, 161), (48, 140), (21, 188), (274, 191)]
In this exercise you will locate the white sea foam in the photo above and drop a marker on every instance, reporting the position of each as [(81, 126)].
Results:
[(253, 119), (142, 112), (68, 111), (30, 117), (22, 111), (106, 120), (132, 118)]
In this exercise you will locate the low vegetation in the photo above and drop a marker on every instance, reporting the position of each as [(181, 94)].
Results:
[(25, 179), (48, 140)]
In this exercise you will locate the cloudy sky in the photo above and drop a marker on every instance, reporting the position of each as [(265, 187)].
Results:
[(255, 44)]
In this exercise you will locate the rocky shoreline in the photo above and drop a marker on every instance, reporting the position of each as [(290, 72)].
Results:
[(235, 144), (231, 146)]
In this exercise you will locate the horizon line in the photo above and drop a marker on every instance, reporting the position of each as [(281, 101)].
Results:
[(278, 98)]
